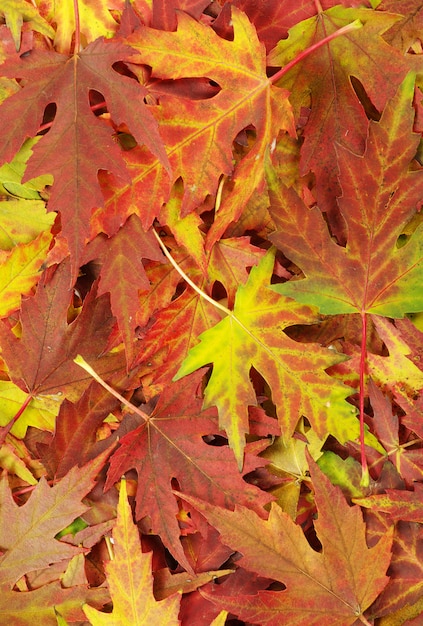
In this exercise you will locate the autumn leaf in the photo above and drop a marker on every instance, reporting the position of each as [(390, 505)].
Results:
[(252, 336), (95, 20), (78, 144), (170, 445), (27, 532), (76, 425), (334, 586), (404, 34), (407, 458), (399, 504), (379, 196), (214, 131), (20, 271), (175, 331), (229, 259), (40, 362), (11, 175), (21, 221), (398, 371), (41, 606), (202, 132), (123, 274), (130, 579), (274, 19), (405, 586), (16, 12), (327, 78), (165, 11), (186, 230)]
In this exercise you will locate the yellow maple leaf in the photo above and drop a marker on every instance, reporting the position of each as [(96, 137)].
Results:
[(130, 580)]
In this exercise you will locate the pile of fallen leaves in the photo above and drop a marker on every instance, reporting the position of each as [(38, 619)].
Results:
[(210, 301)]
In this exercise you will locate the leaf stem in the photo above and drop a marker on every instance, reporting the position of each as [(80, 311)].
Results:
[(5, 430), (188, 280), (341, 31), (77, 42), (79, 360), (363, 360)]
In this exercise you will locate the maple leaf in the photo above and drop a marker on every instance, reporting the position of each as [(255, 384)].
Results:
[(43, 605), (229, 259), (20, 271), (175, 330), (177, 321), (399, 504), (165, 11), (123, 274), (406, 32), (331, 587), (204, 128), (181, 320), (130, 579), (21, 221), (170, 446), (78, 144), (326, 78), (408, 460), (252, 336), (405, 586), (27, 532), (11, 175), (76, 427), (186, 230), (398, 372), (16, 12), (40, 362), (94, 17), (379, 196), (273, 19)]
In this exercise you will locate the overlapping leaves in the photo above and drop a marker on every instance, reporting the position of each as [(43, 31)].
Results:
[(252, 336), (373, 273)]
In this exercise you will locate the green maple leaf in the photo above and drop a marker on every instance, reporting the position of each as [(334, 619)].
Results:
[(253, 336)]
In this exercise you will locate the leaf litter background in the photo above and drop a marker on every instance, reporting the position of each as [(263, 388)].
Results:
[(293, 203)]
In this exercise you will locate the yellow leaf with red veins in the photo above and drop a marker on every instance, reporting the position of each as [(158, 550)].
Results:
[(199, 133), (20, 271), (95, 20)]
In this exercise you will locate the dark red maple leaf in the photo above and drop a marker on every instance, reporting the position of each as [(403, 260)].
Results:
[(75, 434), (41, 360)]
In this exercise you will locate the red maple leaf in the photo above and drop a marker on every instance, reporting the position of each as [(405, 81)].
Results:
[(170, 445), (78, 145)]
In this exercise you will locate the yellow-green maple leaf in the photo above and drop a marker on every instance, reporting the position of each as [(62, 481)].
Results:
[(253, 336), (20, 270), (16, 12), (41, 412)]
